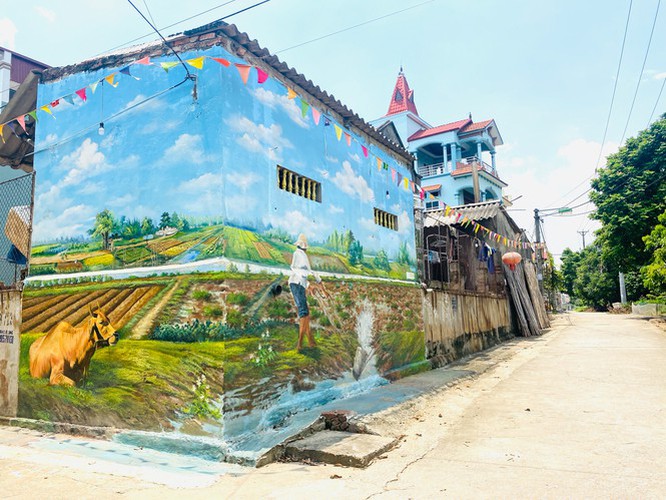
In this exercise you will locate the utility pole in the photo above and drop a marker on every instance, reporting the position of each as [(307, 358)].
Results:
[(583, 233), (537, 238)]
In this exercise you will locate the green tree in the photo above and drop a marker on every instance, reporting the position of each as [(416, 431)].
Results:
[(355, 253), (654, 273), (104, 226), (147, 226), (165, 220), (176, 221), (594, 285), (132, 229), (381, 261), (570, 260), (630, 193), (404, 256)]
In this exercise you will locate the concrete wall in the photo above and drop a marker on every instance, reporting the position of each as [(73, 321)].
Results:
[(459, 324)]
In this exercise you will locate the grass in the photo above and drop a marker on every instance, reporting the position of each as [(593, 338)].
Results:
[(139, 384)]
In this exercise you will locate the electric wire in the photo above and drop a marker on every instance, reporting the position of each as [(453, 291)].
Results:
[(640, 75), (610, 109), (110, 117), (172, 25), (663, 82), (150, 14), (352, 27), (187, 71)]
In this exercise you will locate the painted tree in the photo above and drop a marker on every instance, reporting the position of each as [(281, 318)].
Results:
[(381, 261), (104, 226), (355, 253), (165, 220), (176, 221), (147, 226)]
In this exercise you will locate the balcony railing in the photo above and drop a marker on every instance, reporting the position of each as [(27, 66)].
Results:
[(463, 166)]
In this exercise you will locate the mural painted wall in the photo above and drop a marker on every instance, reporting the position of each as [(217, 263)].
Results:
[(183, 198)]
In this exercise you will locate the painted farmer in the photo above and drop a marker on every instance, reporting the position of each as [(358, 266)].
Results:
[(298, 283)]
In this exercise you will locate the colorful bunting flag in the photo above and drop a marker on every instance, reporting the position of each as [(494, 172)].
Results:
[(82, 94), (2, 135), (197, 62), (166, 66), (393, 174), (290, 93), (338, 131), (69, 99), (223, 62), (365, 150), (243, 71), (379, 162), (93, 86), (262, 76), (348, 139), (126, 71), (21, 121), (304, 109), (55, 103), (111, 79), (144, 60), (406, 180), (316, 115), (399, 179), (33, 115), (46, 108)]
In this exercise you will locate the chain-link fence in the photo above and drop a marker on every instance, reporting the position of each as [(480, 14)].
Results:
[(16, 204)]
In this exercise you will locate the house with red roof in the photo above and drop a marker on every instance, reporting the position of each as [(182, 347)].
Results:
[(456, 161)]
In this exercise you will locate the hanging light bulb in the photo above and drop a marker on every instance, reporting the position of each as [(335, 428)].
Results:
[(100, 130)]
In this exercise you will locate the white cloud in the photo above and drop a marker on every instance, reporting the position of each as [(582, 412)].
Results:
[(122, 201), (8, 32), (544, 184), (295, 222), (84, 162), (355, 157), (368, 224), (73, 221), (335, 210), (243, 181), (660, 76), (404, 223), (352, 184), (273, 101), (332, 159), (258, 138), (139, 103), (187, 148), (198, 185), (47, 14), (159, 126)]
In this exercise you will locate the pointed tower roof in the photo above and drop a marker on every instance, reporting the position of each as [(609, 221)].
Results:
[(403, 97)]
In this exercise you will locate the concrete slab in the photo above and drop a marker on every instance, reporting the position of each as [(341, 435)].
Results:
[(340, 448)]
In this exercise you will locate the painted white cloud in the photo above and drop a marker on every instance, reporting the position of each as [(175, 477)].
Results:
[(258, 138), (335, 210), (332, 159), (8, 32), (201, 184), (122, 201), (84, 162), (324, 173), (354, 185), (273, 101), (187, 148), (73, 221), (295, 222), (355, 157), (368, 224), (47, 14), (243, 181), (404, 223)]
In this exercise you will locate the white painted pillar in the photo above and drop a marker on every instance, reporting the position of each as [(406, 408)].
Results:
[(10, 348)]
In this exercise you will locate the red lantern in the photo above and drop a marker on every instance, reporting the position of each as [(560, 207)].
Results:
[(511, 259)]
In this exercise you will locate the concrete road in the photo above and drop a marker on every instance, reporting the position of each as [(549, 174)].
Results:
[(579, 412)]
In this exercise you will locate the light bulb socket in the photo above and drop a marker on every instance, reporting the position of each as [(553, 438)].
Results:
[(100, 130)]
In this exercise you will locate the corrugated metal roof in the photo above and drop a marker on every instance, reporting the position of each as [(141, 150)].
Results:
[(474, 211), (199, 38)]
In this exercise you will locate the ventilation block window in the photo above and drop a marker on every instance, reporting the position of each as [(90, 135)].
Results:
[(386, 219), (298, 184)]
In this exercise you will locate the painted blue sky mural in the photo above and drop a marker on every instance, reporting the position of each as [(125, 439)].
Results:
[(210, 159)]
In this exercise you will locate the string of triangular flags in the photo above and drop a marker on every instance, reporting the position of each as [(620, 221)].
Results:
[(244, 70), (490, 236)]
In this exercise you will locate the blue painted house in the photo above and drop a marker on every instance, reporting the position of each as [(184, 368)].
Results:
[(456, 161)]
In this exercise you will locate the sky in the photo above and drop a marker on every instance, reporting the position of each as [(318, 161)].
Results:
[(544, 70)]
